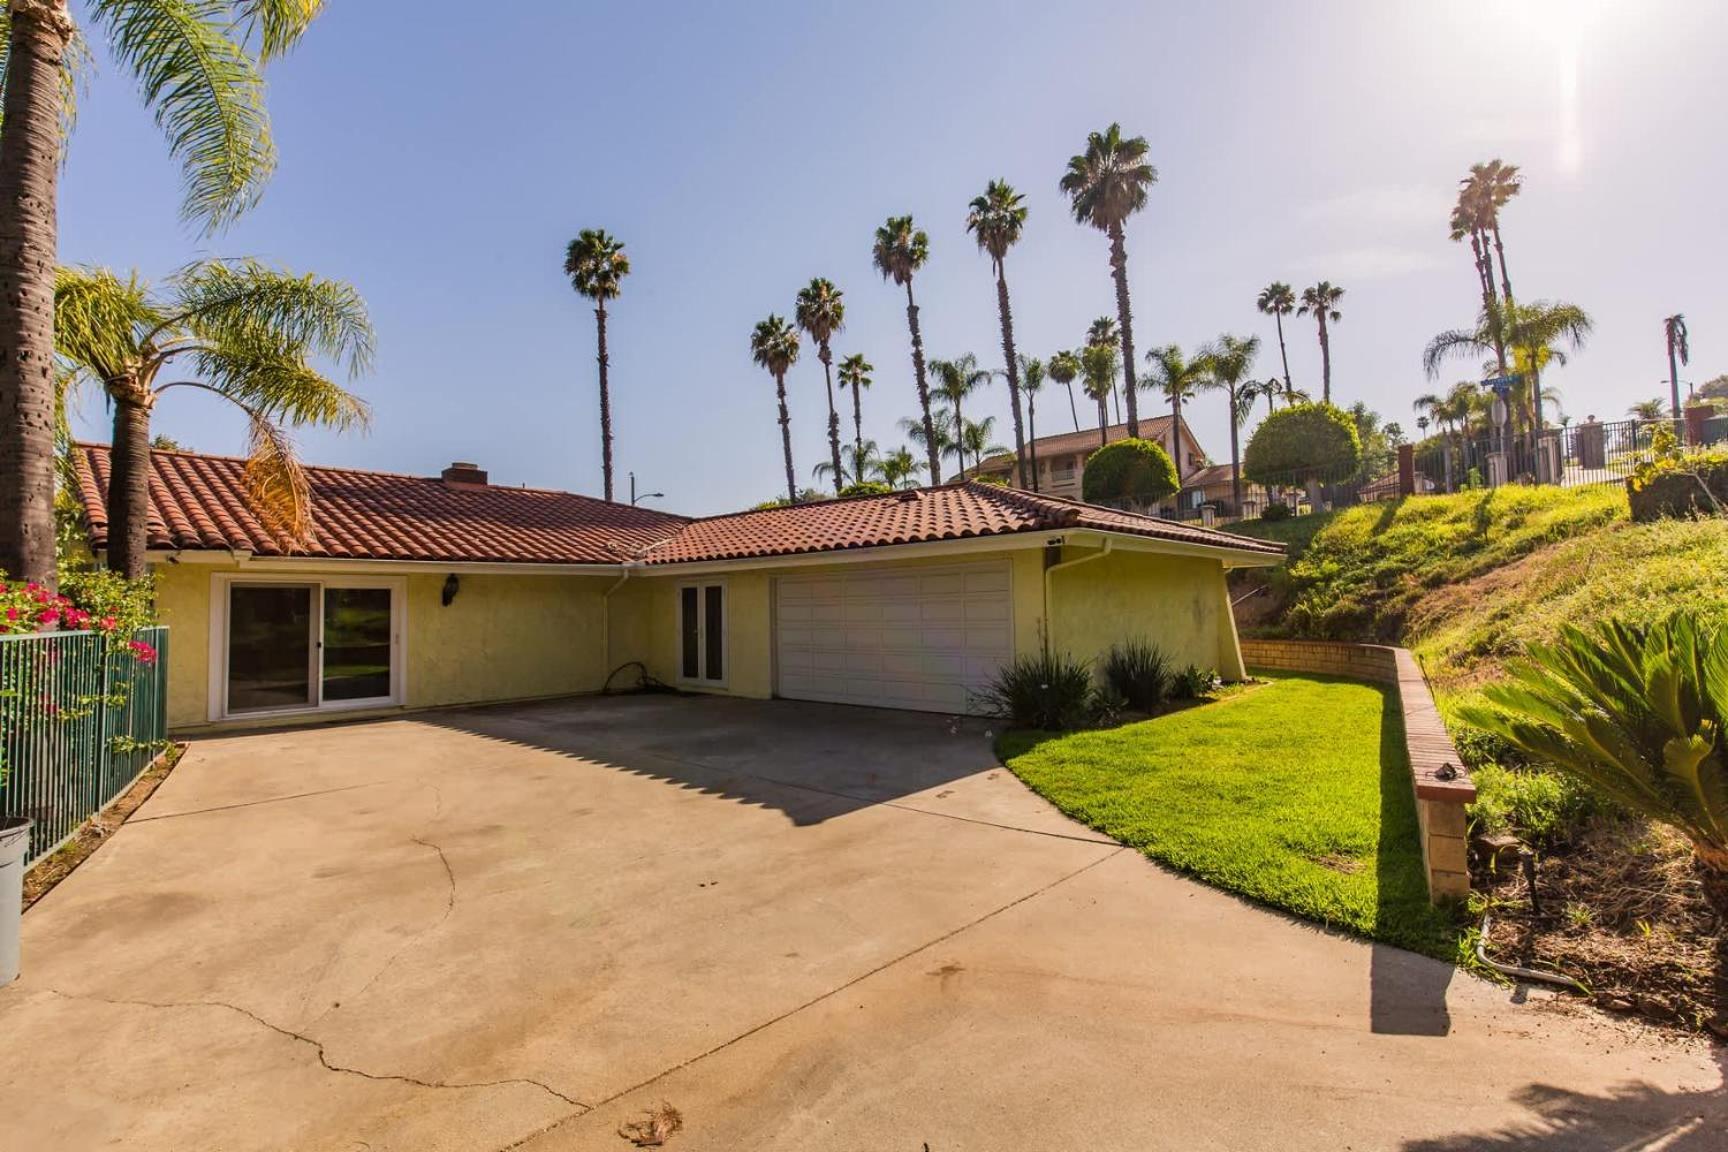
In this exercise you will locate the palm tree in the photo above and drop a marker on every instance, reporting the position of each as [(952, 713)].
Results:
[(774, 345), (199, 68), (1098, 362), (997, 219), (1649, 411), (855, 375), (821, 312), (900, 250), (1106, 184), (1487, 189), (1277, 300), (238, 329), (1032, 373), (597, 264), (1533, 332), (1468, 220), (1268, 390), (1679, 352), (900, 468), (955, 380), (1226, 362), (1104, 331), (940, 422), (1177, 377), (1321, 301), (862, 462), (1065, 368), (975, 439)]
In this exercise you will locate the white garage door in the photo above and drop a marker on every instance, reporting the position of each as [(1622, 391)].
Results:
[(922, 638)]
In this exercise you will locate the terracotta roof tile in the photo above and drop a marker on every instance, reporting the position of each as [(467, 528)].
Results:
[(199, 502), (1085, 440)]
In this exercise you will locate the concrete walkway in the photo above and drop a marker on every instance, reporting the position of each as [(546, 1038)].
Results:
[(804, 927)]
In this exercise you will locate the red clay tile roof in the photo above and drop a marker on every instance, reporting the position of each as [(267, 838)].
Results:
[(952, 512), (198, 502), (1085, 440)]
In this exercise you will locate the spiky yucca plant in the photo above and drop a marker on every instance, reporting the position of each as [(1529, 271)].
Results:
[(1637, 712)]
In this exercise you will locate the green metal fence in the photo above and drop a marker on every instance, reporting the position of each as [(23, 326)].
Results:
[(78, 723)]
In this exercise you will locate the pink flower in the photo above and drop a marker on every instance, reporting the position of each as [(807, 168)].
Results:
[(144, 653), (109, 624), (11, 613), (49, 617)]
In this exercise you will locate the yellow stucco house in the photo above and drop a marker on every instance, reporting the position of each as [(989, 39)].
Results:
[(419, 592)]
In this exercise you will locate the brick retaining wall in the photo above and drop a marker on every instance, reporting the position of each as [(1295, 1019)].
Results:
[(1438, 777)]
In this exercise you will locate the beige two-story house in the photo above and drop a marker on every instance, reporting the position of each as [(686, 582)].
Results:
[(1062, 457)]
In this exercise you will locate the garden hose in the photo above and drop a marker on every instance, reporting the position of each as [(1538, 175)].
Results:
[(1515, 971)]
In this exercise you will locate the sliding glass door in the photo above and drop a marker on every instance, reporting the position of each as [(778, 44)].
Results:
[(295, 647)]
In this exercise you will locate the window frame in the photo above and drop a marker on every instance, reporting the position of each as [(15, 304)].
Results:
[(700, 588)]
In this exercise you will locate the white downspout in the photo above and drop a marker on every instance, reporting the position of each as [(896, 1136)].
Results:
[(1049, 620)]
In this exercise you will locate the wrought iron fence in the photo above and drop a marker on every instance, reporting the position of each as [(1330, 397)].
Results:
[(1593, 452), (1211, 498), (79, 721)]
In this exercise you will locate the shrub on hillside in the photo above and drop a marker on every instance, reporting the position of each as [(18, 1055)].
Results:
[(1308, 440), (867, 488), (1138, 672), (1541, 807), (1137, 471), (1276, 512), (1676, 484), (1049, 691)]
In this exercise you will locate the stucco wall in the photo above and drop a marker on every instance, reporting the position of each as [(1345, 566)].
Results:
[(503, 638), (1179, 603)]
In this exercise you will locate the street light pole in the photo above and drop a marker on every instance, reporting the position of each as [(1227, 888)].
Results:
[(645, 496)]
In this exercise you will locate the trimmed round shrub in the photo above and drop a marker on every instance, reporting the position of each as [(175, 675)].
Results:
[(1276, 512), (1307, 440), (866, 488), (1130, 469)]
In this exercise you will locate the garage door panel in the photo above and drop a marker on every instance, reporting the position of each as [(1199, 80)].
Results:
[(923, 640)]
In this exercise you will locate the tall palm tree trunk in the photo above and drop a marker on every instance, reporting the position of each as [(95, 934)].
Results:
[(1490, 301), (827, 358), (1007, 315), (1073, 408), (858, 425), (1673, 378), (1125, 321), (29, 188), (1325, 360), (918, 373), (129, 489), (1235, 455), (1103, 419), (1283, 354), (1032, 436), (786, 437), (605, 400), (1500, 251)]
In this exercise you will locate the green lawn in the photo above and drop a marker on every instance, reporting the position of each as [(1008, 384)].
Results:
[(1295, 794)]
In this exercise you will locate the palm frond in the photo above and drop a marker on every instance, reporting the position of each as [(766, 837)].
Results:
[(277, 490), (285, 389), (263, 313), (274, 27), (206, 94), (99, 321)]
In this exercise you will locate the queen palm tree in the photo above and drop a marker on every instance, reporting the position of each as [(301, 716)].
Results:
[(774, 345), (1032, 374), (900, 250), (996, 219), (976, 441), (821, 312), (855, 376), (1225, 364), (1065, 368), (862, 463), (955, 380), (941, 421), (597, 264), (1321, 301), (1177, 377), (900, 468), (236, 329), (1648, 411), (1277, 300), (1098, 362), (1104, 331), (199, 68), (1679, 352), (1106, 184), (1537, 334)]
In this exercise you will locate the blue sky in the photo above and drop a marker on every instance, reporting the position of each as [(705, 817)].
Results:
[(441, 163)]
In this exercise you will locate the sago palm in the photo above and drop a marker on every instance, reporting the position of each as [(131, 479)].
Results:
[(1679, 352), (1106, 184), (901, 248), (597, 264), (236, 329), (855, 377), (956, 380), (821, 312), (1639, 712), (774, 346), (1065, 369), (1321, 302), (1032, 374), (1226, 363), (198, 66), (1278, 300), (996, 219)]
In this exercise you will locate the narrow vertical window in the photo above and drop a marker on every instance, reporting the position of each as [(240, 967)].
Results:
[(690, 625), (713, 633)]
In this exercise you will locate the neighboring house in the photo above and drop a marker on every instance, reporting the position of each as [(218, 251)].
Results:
[(418, 592), (1062, 458)]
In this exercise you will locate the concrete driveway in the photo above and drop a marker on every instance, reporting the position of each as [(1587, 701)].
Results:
[(804, 927)]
